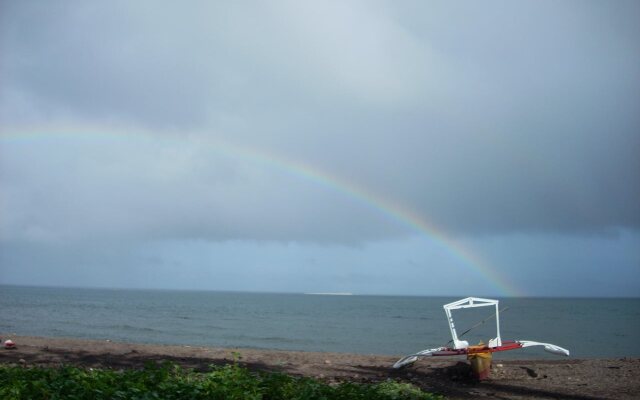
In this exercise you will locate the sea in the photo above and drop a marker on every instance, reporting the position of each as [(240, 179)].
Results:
[(387, 325)]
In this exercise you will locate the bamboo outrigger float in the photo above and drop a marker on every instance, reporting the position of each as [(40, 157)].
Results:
[(479, 356)]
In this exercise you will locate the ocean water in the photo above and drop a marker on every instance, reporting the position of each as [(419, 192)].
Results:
[(392, 325)]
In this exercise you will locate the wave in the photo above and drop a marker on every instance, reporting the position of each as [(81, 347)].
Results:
[(127, 327)]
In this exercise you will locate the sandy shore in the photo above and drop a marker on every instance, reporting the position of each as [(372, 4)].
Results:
[(526, 379)]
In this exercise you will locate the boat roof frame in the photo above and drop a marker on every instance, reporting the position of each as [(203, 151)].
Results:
[(472, 302)]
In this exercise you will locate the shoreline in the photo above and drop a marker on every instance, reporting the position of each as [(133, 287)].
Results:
[(510, 379)]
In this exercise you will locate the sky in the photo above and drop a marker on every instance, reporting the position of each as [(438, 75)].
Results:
[(374, 147)]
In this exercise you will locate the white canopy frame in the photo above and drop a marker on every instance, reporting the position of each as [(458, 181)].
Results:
[(472, 302)]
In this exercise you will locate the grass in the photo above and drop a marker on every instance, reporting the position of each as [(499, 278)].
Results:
[(170, 381)]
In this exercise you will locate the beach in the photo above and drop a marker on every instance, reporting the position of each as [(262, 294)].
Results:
[(565, 378)]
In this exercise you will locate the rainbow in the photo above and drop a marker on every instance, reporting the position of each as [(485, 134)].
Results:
[(389, 208)]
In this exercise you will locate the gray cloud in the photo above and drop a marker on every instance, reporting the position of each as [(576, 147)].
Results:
[(485, 119)]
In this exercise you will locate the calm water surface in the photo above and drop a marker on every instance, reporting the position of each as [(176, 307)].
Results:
[(357, 324)]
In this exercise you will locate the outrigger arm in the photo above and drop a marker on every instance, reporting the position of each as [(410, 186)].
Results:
[(507, 345), (411, 358), (548, 347)]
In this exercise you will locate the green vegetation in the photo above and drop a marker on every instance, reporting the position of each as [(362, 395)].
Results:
[(169, 381)]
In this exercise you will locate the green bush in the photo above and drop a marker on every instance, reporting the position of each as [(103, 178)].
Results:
[(169, 381)]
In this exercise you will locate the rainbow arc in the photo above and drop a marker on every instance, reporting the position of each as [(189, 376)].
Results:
[(363, 196)]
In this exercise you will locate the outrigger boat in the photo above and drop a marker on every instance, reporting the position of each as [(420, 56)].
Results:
[(479, 356)]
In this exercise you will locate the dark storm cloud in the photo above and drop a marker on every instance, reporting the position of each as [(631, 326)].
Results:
[(484, 118)]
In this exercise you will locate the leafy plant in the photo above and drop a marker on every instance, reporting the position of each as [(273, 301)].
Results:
[(169, 381)]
